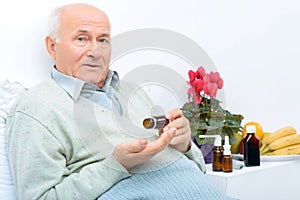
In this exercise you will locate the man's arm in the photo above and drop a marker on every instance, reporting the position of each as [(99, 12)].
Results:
[(195, 154), (39, 165)]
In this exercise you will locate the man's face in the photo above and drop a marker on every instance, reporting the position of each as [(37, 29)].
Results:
[(83, 49)]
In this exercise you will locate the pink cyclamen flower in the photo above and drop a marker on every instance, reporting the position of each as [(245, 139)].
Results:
[(197, 99), (206, 78), (198, 85), (202, 72), (197, 74), (214, 76), (192, 76), (220, 83), (211, 89), (202, 82), (191, 90)]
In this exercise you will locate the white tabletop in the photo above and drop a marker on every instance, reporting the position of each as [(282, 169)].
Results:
[(271, 180)]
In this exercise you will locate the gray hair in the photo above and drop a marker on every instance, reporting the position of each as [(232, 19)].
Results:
[(54, 24), (55, 21)]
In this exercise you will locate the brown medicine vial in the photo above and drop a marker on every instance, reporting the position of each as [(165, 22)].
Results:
[(227, 157), (227, 163), (217, 158), (251, 148), (155, 122)]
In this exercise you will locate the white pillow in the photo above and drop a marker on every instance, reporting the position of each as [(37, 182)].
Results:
[(9, 93)]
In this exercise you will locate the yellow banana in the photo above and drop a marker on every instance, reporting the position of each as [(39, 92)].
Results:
[(285, 141), (282, 132), (265, 136), (290, 150)]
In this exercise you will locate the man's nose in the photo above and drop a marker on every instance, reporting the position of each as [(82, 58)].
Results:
[(96, 49)]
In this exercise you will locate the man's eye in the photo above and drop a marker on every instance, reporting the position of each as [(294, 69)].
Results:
[(81, 39), (102, 40), (104, 43)]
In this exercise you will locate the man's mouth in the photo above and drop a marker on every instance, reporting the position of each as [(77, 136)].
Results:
[(92, 65)]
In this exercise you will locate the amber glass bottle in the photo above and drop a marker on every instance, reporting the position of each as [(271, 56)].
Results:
[(251, 147), (155, 122), (227, 157), (217, 158), (217, 154)]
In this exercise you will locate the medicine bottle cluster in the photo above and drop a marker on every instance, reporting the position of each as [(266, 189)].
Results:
[(222, 158)]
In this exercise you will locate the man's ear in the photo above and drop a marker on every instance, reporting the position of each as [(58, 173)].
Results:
[(50, 45)]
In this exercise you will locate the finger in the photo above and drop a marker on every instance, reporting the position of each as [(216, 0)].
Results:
[(179, 139), (174, 114), (175, 140), (181, 131), (161, 142), (133, 146), (181, 124), (177, 123)]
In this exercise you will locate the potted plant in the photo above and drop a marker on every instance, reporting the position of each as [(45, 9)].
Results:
[(204, 110)]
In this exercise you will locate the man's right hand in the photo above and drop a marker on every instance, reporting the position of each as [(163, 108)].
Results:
[(131, 154)]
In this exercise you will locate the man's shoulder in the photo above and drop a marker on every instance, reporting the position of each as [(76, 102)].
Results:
[(42, 86), (39, 95)]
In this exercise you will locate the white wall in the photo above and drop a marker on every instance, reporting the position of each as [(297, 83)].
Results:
[(253, 44)]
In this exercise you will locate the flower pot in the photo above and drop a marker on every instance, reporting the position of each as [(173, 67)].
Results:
[(207, 151)]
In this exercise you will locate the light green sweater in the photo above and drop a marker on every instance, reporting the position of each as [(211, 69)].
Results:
[(61, 149)]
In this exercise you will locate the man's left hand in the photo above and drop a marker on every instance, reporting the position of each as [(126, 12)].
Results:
[(182, 139)]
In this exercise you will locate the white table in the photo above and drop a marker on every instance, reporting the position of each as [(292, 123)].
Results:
[(271, 180)]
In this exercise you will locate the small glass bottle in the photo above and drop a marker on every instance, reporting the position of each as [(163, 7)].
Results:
[(251, 147), (155, 122), (217, 154), (227, 158)]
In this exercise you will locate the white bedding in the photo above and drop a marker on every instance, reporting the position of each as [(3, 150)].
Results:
[(9, 93)]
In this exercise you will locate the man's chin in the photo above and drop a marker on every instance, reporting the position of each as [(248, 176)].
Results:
[(90, 75), (89, 79)]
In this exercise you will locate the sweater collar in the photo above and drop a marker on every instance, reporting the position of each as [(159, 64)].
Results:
[(73, 86)]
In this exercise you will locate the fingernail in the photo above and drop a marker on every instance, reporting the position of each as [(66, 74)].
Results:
[(168, 116), (165, 128), (172, 141)]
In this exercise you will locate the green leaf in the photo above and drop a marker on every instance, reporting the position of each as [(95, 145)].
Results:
[(209, 118)]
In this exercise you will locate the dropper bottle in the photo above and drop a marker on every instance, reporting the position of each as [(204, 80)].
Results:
[(217, 152), (227, 157), (155, 122)]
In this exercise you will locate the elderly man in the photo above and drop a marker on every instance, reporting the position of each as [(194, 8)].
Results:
[(65, 136)]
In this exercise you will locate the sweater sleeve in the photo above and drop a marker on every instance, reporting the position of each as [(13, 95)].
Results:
[(195, 154), (39, 165)]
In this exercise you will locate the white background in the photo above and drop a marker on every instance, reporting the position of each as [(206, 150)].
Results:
[(254, 44)]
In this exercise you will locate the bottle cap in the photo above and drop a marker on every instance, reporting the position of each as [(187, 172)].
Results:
[(149, 123), (250, 129), (226, 146), (218, 141)]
